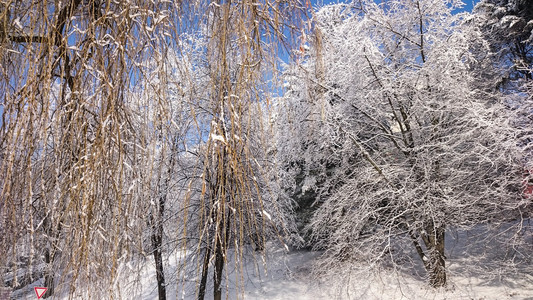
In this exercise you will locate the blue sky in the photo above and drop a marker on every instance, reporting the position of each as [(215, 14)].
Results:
[(470, 4)]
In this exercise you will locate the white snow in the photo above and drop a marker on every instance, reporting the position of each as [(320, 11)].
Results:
[(266, 214), (289, 276), (309, 183), (216, 137)]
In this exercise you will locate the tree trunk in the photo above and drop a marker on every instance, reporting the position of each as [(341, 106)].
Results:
[(48, 274), (217, 278), (433, 257), (220, 253), (437, 264), (157, 244), (157, 227), (157, 239), (205, 269)]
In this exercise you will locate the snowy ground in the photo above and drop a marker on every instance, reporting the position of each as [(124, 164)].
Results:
[(475, 272)]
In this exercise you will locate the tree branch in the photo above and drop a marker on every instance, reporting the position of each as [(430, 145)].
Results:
[(28, 39)]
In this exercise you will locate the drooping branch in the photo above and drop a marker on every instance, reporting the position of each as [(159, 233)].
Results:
[(28, 39)]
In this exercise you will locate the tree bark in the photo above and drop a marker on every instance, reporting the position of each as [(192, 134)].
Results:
[(48, 274), (437, 263), (205, 269), (220, 250), (157, 241), (157, 225), (433, 257), (219, 266)]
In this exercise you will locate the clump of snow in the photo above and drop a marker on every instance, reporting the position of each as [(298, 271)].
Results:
[(309, 183)]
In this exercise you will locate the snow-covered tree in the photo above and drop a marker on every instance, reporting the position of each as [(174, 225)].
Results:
[(508, 27), (418, 148)]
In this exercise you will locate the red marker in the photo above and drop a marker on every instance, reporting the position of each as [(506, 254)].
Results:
[(40, 291)]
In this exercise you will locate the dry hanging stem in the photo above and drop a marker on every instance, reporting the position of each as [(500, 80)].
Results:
[(88, 102)]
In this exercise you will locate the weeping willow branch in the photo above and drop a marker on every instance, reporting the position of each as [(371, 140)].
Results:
[(89, 100)]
